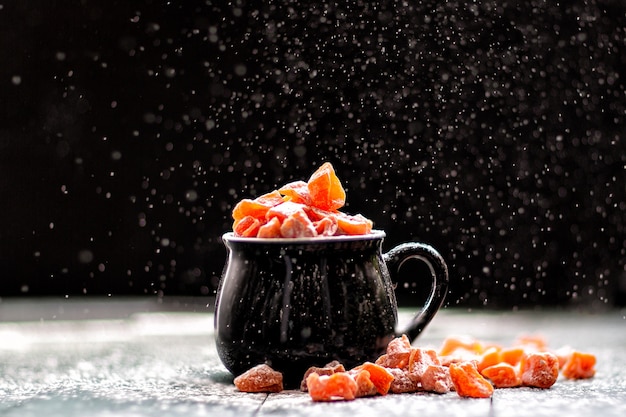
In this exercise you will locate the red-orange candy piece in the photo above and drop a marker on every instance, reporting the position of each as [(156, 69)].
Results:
[(539, 369), (462, 346), (512, 355), (436, 378), (297, 225), (366, 387), (284, 210), (502, 375), (401, 382), (270, 229), (353, 224), (579, 365), (397, 354), (338, 386), (258, 207), (261, 378), (328, 369), (325, 227), (468, 382), (379, 376), (491, 356), (419, 360), (296, 192), (248, 226), (325, 188)]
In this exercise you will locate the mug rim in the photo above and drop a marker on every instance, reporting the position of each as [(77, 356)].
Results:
[(375, 234)]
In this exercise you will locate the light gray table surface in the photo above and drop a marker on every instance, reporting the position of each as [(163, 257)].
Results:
[(139, 358)]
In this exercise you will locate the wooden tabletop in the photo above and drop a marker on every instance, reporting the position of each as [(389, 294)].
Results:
[(135, 359)]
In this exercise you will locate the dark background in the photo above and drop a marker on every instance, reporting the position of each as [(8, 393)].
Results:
[(492, 130)]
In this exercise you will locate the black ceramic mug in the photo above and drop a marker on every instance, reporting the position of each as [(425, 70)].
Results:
[(296, 303)]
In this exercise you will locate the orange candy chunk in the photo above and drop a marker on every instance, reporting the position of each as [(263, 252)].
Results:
[(401, 382), (579, 365), (353, 225), (270, 229), (325, 189), (297, 192), (284, 210), (436, 378), (419, 360), (328, 369), (539, 369), (502, 375), (260, 378), (248, 226), (297, 225), (325, 227), (397, 354), (366, 387), (379, 376), (338, 386), (491, 356), (512, 355), (258, 207), (463, 346), (468, 382)]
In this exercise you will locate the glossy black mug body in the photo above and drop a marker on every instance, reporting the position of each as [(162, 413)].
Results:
[(296, 303)]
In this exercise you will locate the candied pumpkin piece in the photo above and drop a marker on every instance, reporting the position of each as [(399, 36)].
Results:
[(401, 382), (261, 378), (491, 356), (436, 378), (512, 355), (539, 369), (468, 382), (419, 360), (328, 369), (296, 192), (353, 224), (379, 376), (397, 353), (248, 226), (325, 227), (325, 188), (366, 387), (258, 207), (461, 346), (270, 229), (297, 225), (284, 210), (502, 375), (338, 386), (579, 365)]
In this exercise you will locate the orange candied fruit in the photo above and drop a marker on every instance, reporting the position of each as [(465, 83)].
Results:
[(302, 209), (539, 369), (502, 375), (325, 188), (579, 365), (380, 376), (468, 382), (334, 387), (261, 378)]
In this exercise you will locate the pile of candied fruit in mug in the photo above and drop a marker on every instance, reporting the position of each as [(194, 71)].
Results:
[(467, 366), (300, 209)]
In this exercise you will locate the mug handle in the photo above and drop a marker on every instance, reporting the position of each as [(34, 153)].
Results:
[(439, 274)]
